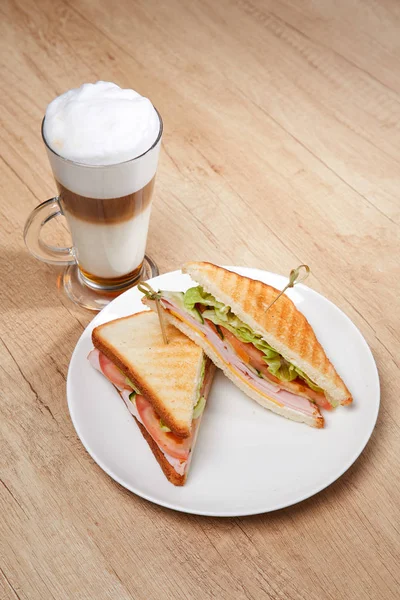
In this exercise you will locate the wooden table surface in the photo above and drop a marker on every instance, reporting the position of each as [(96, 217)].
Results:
[(281, 146)]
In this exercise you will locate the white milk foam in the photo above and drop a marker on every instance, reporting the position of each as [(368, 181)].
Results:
[(101, 126)]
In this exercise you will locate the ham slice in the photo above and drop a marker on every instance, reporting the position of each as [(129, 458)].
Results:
[(94, 359), (269, 389)]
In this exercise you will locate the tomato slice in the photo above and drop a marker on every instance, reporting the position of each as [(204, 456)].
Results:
[(251, 355), (210, 324), (169, 442), (264, 370), (245, 350), (319, 399), (112, 372)]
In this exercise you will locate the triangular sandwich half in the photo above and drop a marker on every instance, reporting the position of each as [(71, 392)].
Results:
[(164, 386), (273, 356)]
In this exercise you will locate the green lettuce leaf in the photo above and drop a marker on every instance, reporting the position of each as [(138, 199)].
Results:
[(189, 306), (198, 409), (310, 383), (132, 385), (203, 371), (277, 365), (197, 295)]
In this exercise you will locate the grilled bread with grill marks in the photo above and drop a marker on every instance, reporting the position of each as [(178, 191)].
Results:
[(166, 374), (283, 326)]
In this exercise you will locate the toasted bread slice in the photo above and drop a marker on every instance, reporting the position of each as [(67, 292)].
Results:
[(166, 374), (283, 326), (314, 420)]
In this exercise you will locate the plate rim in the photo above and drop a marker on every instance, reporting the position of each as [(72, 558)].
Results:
[(235, 513)]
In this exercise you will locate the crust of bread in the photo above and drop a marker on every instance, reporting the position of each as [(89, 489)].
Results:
[(168, 469), (283, 326), (178, 370), (315, 420)]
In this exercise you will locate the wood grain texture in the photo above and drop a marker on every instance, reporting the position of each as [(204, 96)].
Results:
[(281, 146)]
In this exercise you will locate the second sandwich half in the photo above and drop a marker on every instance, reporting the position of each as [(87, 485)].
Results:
[(164, 386)]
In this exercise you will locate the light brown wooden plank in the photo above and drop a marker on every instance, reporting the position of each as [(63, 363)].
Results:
[(281, 146)]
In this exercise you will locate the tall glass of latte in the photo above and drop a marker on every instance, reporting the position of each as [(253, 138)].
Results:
[(103, 144)]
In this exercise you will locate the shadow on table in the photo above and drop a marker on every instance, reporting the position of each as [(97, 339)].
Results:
[(26, 282)]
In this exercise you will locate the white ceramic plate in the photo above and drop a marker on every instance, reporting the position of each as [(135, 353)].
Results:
[(247, 460)]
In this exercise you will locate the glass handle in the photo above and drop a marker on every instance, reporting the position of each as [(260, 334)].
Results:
[(41, 215)]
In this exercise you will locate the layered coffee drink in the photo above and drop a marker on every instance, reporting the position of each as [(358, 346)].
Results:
[(103, 144), (109, 234)]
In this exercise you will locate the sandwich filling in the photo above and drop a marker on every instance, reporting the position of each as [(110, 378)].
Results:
[(243, 351), (177, 450)]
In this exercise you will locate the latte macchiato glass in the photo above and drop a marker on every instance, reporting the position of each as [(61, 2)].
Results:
[(106, 203)]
